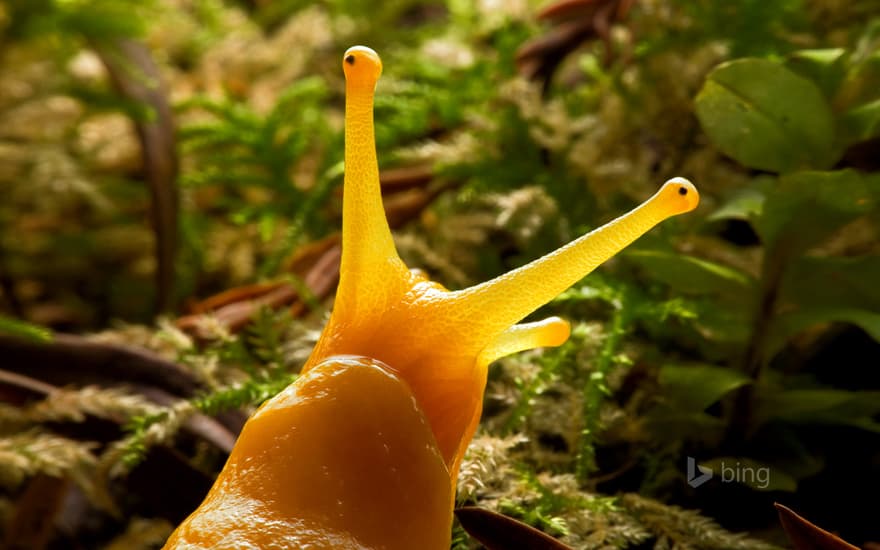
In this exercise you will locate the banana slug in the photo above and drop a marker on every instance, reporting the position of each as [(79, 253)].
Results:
[(362, 451)]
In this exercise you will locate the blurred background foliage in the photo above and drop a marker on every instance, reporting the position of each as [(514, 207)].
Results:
[(184, 157)]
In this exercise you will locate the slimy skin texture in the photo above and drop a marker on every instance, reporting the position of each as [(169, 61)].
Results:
[(363, 450), (319, 466)]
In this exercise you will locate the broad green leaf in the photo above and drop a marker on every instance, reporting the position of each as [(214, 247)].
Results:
[(692, 275), (728, 323), (824, 67), (695, 387), (789, 324), (832, 282), (751, 473), (744, 204), (806, 207), (767, 117), (820, 406), (860, 123)]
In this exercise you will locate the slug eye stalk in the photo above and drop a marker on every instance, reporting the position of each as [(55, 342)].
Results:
[(514, 295)]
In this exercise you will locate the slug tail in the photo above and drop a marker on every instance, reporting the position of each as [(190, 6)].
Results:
[(507, 299)]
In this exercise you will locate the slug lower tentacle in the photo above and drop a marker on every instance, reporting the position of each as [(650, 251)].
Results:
[(363, 450)]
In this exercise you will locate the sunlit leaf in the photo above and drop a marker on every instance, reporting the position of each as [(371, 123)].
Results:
[(745, 204), (824, 67), (21, 329), (691, 275), (766, 117)]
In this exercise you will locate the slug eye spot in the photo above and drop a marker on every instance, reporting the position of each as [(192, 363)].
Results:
[(349, 59), (682, 191)]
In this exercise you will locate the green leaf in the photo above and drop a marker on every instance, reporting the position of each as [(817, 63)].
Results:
[(21, 329), (694, 387), (104, 19), (589, 290), (665, 423), (767, 117), (789, 324), (825, 67), (806, 207), (860, 123), (728, 323), (862, 80), (827, 282), (751, 473), (691, 275), (820, 406), (744, 204)]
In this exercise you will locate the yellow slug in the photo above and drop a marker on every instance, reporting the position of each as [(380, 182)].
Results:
[(363, 450)]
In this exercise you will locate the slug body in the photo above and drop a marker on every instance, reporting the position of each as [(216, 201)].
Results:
[(363, 450)]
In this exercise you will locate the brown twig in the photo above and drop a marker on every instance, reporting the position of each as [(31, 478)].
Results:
[(19, 390), (137, 78), (73, 360), (573, 23)]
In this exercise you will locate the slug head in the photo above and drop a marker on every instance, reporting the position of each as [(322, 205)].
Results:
[(362, 67), (679, 195), (440, 342)]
